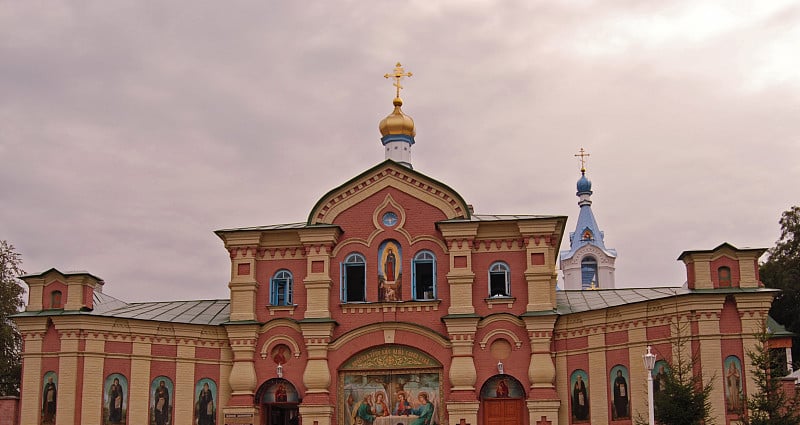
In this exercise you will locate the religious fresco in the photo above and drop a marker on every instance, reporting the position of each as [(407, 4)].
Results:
[(579, 383), (161, 400), (205, 408), (115, 401), (391, 385), (732, 372), (279, 391), (502, 386), (620, 394), (660, 371), (390, 272), (49, 398)]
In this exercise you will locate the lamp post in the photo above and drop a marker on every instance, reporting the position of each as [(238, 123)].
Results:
[(649, 364)]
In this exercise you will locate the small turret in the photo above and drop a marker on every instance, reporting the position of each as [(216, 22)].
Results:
[(588, 264), (397, 129)]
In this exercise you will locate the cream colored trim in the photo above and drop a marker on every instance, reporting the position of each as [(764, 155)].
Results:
[(268, 343), (502, 317), (278, 323), (379, 328), (496, 332), (346, 197)]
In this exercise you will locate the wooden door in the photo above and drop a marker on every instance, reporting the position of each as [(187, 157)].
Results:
[(503, 411)]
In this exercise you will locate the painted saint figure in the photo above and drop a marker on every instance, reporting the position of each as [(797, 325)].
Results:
[(580, 400), (424, 410), (402, 407), (502, 389), (659, 380), (381, 408), (389, 266), (620, 396), (204, 407), (115, 401), (161, 407), (280, 394), (49, 402), (733, 381), (363, 414)]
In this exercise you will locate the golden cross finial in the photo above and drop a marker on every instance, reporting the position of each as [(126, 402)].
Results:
[(583, 156), (399, 73)]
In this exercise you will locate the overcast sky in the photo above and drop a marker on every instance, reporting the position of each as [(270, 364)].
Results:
[(130, 131)]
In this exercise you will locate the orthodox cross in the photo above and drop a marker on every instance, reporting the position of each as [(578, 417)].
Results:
[(399, 73), (583, 156), (544, 421)]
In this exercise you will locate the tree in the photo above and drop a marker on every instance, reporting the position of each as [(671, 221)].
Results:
[(10, 303), (769, 404), (782, 271), (682, 398)]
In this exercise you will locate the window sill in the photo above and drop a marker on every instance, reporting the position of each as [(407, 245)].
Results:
[(389, 306), (493, 301), (279, 308)]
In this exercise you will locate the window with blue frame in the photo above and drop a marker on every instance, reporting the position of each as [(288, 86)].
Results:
[(281, 288), (589, 273), (354, 278), (499, 282), (424, 276)]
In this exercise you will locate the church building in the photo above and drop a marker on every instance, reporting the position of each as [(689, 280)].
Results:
[(392, 303)]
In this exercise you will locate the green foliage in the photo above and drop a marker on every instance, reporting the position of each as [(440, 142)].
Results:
[(10, 303), (768, 404), (683, 398), (782, 271)]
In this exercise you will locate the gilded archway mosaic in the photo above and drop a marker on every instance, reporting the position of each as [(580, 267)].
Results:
[(390, 385)]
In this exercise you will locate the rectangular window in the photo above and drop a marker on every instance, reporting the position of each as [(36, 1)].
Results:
[(497, 284), (354, 278), (281, 292), (424, 281)]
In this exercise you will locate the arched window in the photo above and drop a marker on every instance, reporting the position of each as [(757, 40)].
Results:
[(724, 275), (499, 280), (589, 278), (282, 288), (424, 276), (354, 278), (55, 299)]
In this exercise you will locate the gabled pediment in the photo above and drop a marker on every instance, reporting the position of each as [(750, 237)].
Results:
[(383, 175)]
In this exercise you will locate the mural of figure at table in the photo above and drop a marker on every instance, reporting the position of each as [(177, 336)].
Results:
[(160, 405), (580, 396), (49, 398), (115, 404), (205, 411), (620, 393), (733, 384), (390, 385), (414, 397), (390, 272)]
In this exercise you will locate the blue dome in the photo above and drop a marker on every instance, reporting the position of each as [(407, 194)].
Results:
[(584, 185)]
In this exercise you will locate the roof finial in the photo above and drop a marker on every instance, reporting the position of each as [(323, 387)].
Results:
[(399, 73), (583, 156)]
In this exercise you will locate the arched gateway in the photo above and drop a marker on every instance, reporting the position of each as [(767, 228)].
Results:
[(279, 402), (390, 385), (503, 401)]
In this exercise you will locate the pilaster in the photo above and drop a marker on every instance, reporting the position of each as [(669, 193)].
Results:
[(317, 375), (31, 398), (462, 412), (183, 403), (598, 383), (460, 238), (541, 369), (318, 244), (242, 378), (461, 330), (93, 362), (139, 392)]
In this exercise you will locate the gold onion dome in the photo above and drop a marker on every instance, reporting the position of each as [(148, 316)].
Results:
[(397, 122)]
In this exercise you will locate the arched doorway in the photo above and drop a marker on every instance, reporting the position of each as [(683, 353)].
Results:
[(279, 402), (502, 401)]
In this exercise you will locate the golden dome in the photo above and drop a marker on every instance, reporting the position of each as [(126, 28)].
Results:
[(397, 122)]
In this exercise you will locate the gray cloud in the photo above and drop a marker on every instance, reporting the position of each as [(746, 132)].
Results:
[(130, 131)]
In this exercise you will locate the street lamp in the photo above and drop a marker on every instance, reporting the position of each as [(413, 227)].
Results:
[(649, 364)]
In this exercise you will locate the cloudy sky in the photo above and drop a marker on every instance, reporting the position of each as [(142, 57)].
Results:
[(130, 131)]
